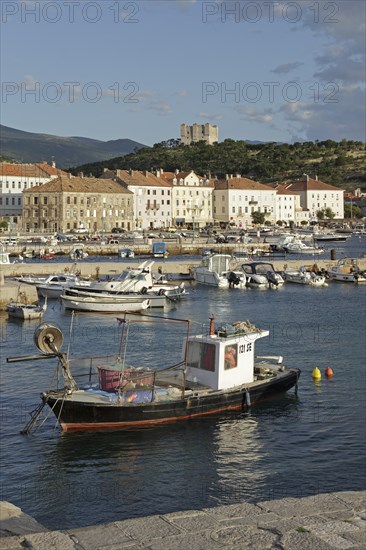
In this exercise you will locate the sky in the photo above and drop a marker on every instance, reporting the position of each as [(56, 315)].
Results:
[(261, 70)]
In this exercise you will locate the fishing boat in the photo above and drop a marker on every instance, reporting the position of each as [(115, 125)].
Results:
[(262, 275), (26, 312), (54, 285), (303, 277), (105, 303), (329, 236), (217, 374), (347, 270), (219, 270)]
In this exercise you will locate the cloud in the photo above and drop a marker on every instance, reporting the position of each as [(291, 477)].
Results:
[(181, 93), (254, 115), (207, 116), (287, 67), (163, 108)]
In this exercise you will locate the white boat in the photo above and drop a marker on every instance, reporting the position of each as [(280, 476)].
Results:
[(219, 270), (304, 277), (105, 304), (26, 312), (262, 275), (54, 285), (325, 236), (78, 253), (347, 270), (139, 279), (299, 247), (126, 253)]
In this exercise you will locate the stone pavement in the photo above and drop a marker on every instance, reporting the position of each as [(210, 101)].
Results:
[(319, 522)]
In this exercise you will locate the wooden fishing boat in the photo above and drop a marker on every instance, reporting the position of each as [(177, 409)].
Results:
[(26, 312), (217, 374), (105, 303)]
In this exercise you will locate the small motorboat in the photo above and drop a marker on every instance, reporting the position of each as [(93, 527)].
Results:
[(219, 270), (217, 374), (347, 270), (78, 253), (299, 247), (262, 275), (126, 253), (26, 312), (303, 277)]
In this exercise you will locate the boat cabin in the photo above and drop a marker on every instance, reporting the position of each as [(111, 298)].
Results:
[(222, 359)]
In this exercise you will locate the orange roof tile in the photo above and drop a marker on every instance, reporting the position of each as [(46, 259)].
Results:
[(65, 184), (312, 185), (241, 183)]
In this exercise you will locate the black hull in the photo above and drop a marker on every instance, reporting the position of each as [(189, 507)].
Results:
[(74, 415)]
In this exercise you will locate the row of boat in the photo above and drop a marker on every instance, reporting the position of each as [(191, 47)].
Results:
[(224, 271)]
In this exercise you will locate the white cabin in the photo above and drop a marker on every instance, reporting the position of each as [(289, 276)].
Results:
[(222, 361)]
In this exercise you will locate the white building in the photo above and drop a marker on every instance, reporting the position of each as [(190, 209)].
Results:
[(16, 178), (236, 198), (316, 195), (153, 197), (288, 207), (192, 198)]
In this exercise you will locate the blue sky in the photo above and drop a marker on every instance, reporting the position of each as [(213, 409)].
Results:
[(262, 70)]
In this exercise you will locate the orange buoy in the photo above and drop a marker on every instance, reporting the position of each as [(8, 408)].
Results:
[(328, 372)]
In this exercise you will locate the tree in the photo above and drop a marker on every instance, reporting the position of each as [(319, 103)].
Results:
[(279, 222), (320, 214), (328, 212), (352, 211), (304, 222), (258, 218), (4, 225)]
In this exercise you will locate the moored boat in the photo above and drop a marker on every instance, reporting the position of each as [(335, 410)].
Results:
[(26, 312), (217, 374), (219, 270), (347, 270), (262, 275), (105, 303), (303, 277)]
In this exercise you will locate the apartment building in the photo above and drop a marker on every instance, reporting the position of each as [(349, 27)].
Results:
[(68, 203), (192, 198), (152, 197), (16, 178), (316, 195), (236, 198)]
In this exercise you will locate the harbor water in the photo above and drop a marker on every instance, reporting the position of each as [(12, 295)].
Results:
[(300, 445)]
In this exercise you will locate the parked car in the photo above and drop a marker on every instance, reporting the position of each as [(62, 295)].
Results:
[(118, 230)]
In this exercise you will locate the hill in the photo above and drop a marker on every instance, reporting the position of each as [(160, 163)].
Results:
[(339, 163), (67, 151)]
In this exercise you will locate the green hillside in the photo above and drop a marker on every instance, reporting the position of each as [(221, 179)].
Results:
[(341, 164)]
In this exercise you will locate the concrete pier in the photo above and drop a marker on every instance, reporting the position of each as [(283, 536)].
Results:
[(320, 522)]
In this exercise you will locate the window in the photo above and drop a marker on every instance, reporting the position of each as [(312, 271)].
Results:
[(44, 200), (201, 356), (67, 200), (35, 200)]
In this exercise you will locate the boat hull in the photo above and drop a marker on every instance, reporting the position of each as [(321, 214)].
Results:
[(98, 305), (77, 415)]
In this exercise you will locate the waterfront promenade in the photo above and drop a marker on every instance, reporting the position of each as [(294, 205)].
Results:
[(319, 522)]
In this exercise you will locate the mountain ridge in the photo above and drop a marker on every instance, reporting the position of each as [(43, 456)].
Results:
[(67, 151)]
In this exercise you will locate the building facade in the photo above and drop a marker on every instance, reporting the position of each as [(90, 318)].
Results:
[(316, 195), (152, 197), (16, 178), (199, 132), (192, 198), (236, 198), (73, 203)]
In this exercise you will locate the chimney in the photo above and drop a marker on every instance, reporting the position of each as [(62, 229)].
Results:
[(176, 171), (70, 176), (130, 172), (105, 170), (146, 173), (238, 176), (161, 171), (81, 174), (158, 173), (306, 177), (53, 164), (226, 176), (316, 178)]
